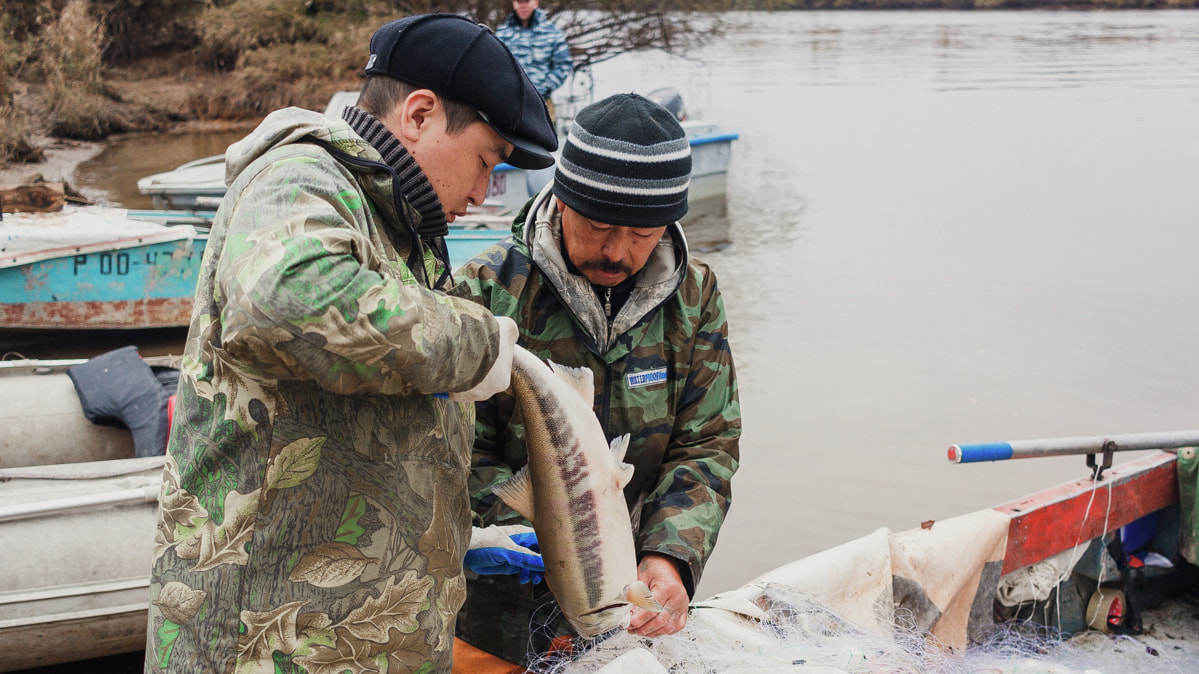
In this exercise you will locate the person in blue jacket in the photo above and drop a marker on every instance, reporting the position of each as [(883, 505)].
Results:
[(539, 47)]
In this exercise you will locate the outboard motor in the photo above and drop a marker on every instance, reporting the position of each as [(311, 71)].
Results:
[(671, 99)]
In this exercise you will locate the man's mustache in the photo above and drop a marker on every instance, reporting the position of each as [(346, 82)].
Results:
[(608, 267)]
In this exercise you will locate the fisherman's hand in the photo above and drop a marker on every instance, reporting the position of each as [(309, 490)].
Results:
[(505, 550), (500, 375), (661, 574)]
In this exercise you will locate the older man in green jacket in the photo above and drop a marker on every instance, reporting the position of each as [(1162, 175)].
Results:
[(314, 511), (597, 274)]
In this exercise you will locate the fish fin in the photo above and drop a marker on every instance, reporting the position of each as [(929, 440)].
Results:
[(517, 492), (624, 474), (619, 447), (637, 593), (624, 471), (580, 379)]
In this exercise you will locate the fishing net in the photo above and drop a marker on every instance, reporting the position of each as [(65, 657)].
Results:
[(799, 634)]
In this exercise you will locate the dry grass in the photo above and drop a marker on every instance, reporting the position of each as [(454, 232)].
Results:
[(230, 31), (14, 125), (14, 137), (271, 78), (78, 102)]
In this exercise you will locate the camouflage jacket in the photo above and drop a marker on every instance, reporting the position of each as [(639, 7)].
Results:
[(663, 372), (314, 508)]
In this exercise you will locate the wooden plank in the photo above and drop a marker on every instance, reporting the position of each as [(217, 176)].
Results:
[(32, 198), (1061, 517)]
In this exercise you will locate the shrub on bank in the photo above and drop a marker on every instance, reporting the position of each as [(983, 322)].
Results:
[(272, 78), (14, 137), (76, 95), (229, 31)]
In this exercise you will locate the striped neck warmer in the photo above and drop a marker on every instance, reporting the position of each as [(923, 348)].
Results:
[(413, 184), (626, 162)]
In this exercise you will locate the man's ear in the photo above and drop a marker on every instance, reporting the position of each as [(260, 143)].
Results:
[(412, 118)]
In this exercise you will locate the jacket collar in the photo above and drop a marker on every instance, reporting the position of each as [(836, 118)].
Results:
[(413, 183)]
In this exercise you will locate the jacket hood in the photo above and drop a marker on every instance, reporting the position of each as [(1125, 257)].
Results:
[(293, 125), (656, 282)]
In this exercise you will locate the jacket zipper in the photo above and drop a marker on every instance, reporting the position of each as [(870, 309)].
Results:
[(606, 409)]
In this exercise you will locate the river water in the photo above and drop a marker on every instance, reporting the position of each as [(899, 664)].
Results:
[(942, 228)]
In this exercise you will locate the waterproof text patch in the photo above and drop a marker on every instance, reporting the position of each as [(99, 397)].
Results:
[(639, 379)]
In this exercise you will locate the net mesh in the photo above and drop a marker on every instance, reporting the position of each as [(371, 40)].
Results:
[(799, 633)]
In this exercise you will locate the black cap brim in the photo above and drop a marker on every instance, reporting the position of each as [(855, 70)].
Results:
[(525, 153)]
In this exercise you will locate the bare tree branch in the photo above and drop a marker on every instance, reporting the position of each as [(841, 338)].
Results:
[(598, 30)]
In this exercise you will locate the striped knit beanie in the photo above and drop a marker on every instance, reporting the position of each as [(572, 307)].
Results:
[(626, 162)]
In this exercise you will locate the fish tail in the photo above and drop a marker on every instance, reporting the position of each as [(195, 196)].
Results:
[(637, 593)]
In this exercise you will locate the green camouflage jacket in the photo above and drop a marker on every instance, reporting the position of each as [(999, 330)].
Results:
[(314, 509), (663, 372)]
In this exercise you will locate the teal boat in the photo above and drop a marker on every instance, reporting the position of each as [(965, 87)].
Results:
[(89, 268), (96, 268)]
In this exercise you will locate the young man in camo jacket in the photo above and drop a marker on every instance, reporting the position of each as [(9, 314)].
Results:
[(314, 513)]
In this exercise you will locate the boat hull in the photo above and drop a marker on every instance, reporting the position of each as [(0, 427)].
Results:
[(141, 280), (133, 285), (82, 592), (43, 424), (1057, 519), (196, 185)]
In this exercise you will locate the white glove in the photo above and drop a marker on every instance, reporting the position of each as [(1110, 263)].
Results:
[(500, 376), (507, 550)]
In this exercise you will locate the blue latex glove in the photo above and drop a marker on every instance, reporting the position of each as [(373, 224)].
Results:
[(506, 550)]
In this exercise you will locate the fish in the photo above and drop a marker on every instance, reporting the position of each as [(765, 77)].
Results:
[(571, 490)]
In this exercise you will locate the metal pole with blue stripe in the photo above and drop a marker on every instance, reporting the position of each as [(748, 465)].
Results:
[(1094, 444)]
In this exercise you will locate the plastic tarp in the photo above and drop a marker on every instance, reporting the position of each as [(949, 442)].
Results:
[(942, 579)]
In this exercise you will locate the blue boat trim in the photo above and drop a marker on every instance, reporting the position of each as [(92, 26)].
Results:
[(719, 138)]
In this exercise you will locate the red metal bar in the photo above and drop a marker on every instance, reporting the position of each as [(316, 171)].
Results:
[(1061, 517)]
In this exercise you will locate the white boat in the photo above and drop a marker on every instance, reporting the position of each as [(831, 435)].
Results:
[(75, 544), (200, 184), (196, 185), (77, 516)]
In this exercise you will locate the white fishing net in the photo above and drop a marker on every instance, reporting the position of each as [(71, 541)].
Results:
[(797, 634)]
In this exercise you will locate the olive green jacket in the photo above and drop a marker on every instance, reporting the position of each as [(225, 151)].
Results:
[(663, 373), (314, 512)]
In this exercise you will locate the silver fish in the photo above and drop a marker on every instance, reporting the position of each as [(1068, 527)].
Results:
[(571, 490)]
